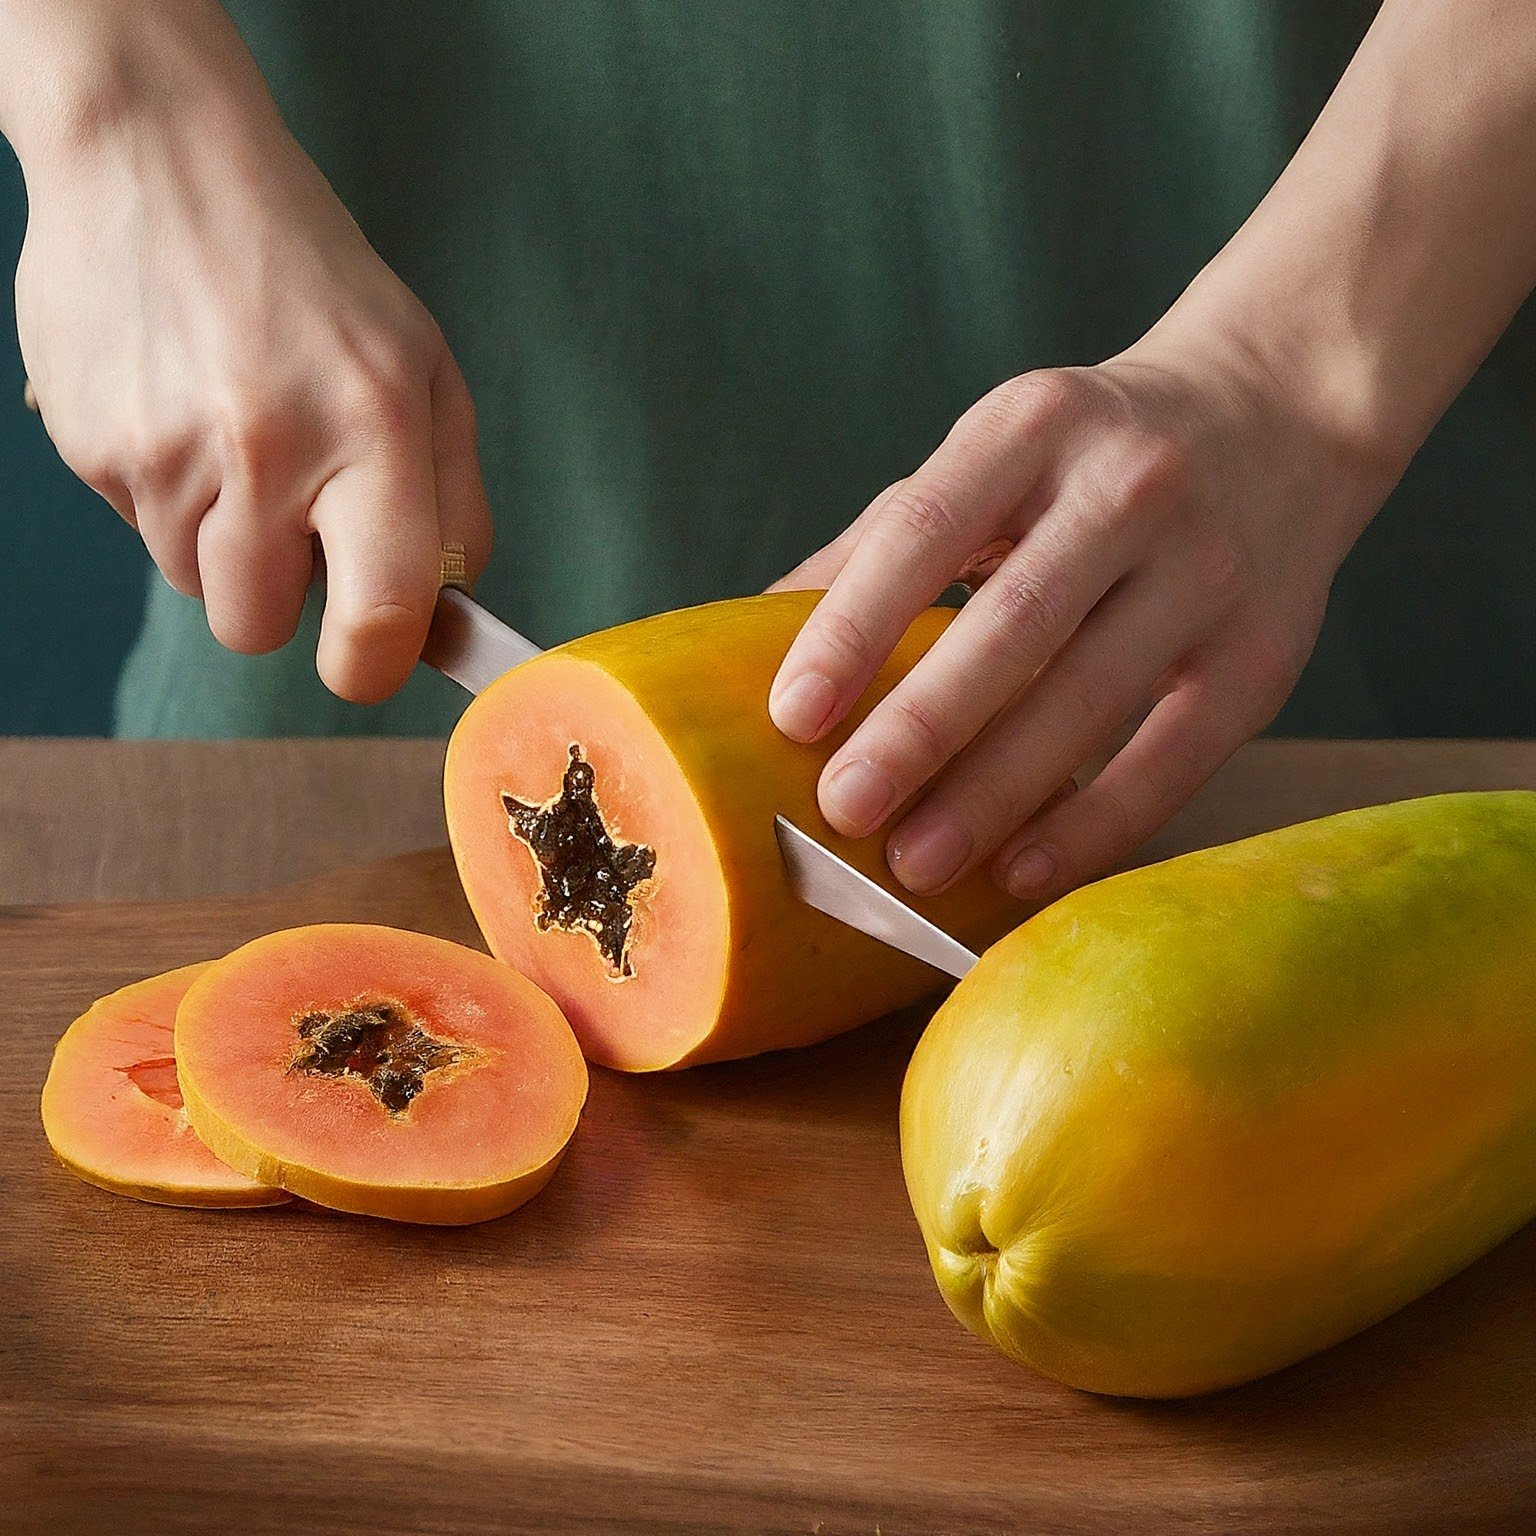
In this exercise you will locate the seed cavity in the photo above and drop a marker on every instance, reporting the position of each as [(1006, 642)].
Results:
[(155, 1078), (588, 878), (377, 1042)]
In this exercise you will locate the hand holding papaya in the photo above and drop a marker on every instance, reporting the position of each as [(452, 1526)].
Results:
[(1174, 517), (218, 351), (1170, 539)]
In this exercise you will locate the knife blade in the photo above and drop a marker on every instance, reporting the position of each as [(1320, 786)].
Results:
[(470, 644), (832, 885)]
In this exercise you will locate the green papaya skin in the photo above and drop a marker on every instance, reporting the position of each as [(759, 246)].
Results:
[(1199, 1120)]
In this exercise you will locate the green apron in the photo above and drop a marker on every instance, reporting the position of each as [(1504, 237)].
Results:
[(716, 273)]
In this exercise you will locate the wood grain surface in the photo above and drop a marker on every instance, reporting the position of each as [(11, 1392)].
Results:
[(718, 1317), (84, 819)]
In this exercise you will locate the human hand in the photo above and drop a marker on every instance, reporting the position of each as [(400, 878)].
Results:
[(218, 351), (1177, 514), (1172, 525)]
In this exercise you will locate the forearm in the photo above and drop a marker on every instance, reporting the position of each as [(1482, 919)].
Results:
[(74, 71), (1385, 262)]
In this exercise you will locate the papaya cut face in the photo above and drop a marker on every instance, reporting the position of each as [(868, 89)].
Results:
[(112, 1106), (611, 805), (655, 1003), (1199, 1120), (381, 1072)]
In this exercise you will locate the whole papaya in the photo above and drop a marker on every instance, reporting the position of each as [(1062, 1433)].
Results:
[(1196, 1121)]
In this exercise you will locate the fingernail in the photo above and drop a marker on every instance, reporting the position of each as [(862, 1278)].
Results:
[(801, 707), (1030, 871), (925, 859), (857, 797)]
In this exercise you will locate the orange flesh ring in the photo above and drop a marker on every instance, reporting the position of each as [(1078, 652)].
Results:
[(113, 1111), (484, 1132), (644, 798)]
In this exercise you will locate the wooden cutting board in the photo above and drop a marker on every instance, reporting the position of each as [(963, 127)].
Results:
[(718, 1317)]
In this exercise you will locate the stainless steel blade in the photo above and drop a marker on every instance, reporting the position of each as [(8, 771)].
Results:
[(470, 644), (832, 885)]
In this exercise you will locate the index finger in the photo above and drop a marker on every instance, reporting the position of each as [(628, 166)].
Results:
[(928, 526)]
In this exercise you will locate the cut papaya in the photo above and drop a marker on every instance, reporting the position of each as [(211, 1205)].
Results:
[(1196, 1121), (611, 807), (380, 1071), (113, 1112)]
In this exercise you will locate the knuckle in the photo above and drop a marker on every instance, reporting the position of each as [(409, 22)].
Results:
[(250, 432), (931, 741), (1116, 826), (921, 516), (89, 461), (1025, 612), (148, 456), (156, 461), (994, 804), (413, 334), (388, 402), (1038, 397), (392, 609), (1272, 663), (845, 638), (1217, 564), (1156, 472)]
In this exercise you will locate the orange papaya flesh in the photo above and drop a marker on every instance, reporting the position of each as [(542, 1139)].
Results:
[(113, 1112), (381, 1072), (611, 804)]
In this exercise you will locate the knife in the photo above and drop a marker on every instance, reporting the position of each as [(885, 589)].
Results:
[(470, 644), (473, 647), (832, 885)]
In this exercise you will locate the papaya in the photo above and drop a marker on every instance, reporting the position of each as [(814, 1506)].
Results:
[(379, 1071), (113, 1112), (611, 806), (1196, 1121)]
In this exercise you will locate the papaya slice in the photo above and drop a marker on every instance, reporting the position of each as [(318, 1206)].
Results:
[(113, 1112), (611, 804), (379, 1071)]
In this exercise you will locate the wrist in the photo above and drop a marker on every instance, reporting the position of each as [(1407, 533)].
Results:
[(1267, 407), (1301, 331), (77, 77), (1290, 351)]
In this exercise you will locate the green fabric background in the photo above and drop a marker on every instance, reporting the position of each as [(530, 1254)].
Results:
[(718, 272)]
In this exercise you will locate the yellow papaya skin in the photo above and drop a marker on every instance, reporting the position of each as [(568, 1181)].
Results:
[(1199, 1120)]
